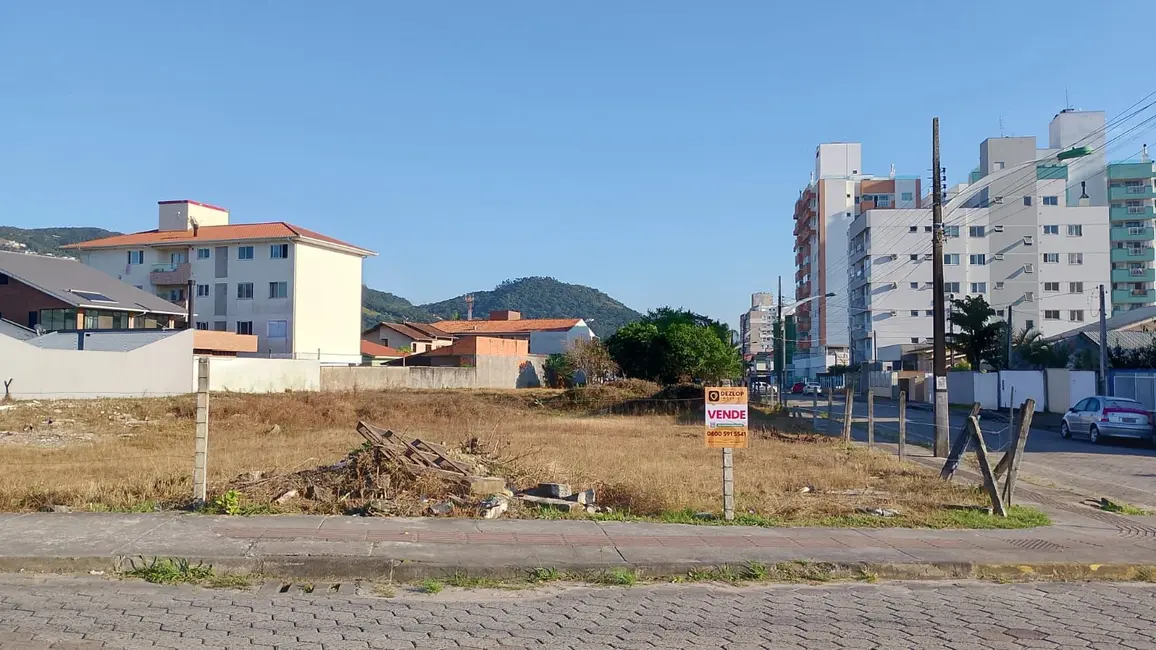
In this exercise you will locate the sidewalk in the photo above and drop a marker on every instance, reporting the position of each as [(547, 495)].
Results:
[(314, 547)]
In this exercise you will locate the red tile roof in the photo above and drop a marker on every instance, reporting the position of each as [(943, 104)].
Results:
[(521, 326), (206, 234), (371, 349)]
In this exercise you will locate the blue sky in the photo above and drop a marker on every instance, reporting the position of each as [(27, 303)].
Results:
[(652, 149)]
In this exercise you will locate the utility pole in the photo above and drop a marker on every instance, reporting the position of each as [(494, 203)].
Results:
[(781, 348), (942, 421), (1103, 346), (1010, 365)]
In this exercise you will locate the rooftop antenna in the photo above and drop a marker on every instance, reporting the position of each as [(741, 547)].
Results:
[(1001, 127), (1144, 154), (196, 226), (470, 306), (892, 174)]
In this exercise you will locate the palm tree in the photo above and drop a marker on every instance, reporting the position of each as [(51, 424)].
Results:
[(976, 335)]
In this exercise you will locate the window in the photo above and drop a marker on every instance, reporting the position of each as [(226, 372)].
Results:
[(278, 289), (1029, 268), (975, 231), (914, 285), (278, 329), (279, 252), (951, 259), (1030, 324), (244, 291), (244, 327), (1076, 315), (979, 287), (1053, 287), (951, 287), (1051, 314), (951, 231), (220, 326), (202, 325), (915, 339), (244, 252), (915, 312), (202, 290), (927, 229), (1075, 230), (1075, 287), (136, 257), (978, 259), (1027, 200), (907, 196), (203, 254), (1051, 200), (914, 258), (1075, 258), (913, 229), (1051, 258), (997, 165), (1051, 230), (3, 279), (929, 313)]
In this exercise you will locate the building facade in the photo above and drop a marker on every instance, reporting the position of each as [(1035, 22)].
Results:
[(543, 335), (756, 325), (1130, 196), (837, 193), (297, 291), (1018, 235)]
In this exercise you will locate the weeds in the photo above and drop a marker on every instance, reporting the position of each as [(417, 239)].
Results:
[(618, 577), (168, 571), (229, 581), (1123, 508), (464, 581), (431, 586), (544, 574), (384, 590), (228, 503)]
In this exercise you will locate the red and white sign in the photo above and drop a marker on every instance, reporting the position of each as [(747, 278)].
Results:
[(726, 417)]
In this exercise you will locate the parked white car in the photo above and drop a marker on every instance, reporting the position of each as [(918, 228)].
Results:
[(812, 388), (1102, 417)]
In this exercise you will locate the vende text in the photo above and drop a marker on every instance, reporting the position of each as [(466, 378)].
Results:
[(726, 414)]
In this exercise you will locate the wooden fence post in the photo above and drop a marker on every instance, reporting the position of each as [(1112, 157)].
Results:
[(1011, 460), (201, 455), (870, 419), (830, 411), (989, 483), (902, 425), (815, 412), (958, 449), (848, 412)]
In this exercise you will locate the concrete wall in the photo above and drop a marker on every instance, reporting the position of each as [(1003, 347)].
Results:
[(1026, 383), (245, 375), (490, 372), (159, 368), (327, 304), (971, 387), (559, 342), (1066, 387)]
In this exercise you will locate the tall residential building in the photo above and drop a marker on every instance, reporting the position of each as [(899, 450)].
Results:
[(1017, 235), (755, 325), (837, 193), (1130, 194), (297, 291)]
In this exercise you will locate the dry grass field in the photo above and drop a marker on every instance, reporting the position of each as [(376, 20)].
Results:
[(126, 454)]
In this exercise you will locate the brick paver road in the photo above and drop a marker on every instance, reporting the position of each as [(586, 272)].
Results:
[(93, 613)]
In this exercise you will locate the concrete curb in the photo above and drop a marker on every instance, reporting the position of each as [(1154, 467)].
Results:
[(320, 568)]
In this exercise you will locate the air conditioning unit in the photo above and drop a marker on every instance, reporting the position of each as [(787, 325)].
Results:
[(1029, 296), (894, 256), (894, 285), (929, 256), (1029, 268), (999, 256), (997, 228), (998, 285), (893, 313), (1028, 240)]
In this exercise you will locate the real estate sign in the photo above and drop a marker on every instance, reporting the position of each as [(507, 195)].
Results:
[(726, 417)]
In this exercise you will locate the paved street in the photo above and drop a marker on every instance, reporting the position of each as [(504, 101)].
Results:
[(1125, 470), (61, 612)]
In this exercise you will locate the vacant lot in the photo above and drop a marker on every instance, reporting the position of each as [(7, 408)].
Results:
[(138, 453)]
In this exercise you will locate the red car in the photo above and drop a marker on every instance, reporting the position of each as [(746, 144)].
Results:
[(797, 389)]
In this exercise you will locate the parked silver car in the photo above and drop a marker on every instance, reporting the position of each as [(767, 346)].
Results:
[(1099, 417)]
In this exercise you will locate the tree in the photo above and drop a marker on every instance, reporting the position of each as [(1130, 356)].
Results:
[(559, 373), (977, 335), (671, 345), (639, 350), (696, 352), (665, 317), (1031, 349), (838, 369), (591, 358)]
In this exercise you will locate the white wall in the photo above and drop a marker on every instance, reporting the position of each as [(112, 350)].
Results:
[(327, 308), (1066, 387), (971, 387), (1025, 383), (243, 375), (837, 211), (160, 368), (558, 342)]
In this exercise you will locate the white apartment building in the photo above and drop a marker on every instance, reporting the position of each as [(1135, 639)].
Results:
[(837, 192), (1013, 236), (297, 290), (756, 325)]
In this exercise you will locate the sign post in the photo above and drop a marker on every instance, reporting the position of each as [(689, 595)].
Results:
[(726, 429)]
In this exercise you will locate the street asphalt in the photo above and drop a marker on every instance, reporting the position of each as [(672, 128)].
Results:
[(88, 613)]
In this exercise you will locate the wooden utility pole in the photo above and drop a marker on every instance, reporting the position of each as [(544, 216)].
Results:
[(942, 418), (902, 425), (870, 419), (830, 411), (848, 411)]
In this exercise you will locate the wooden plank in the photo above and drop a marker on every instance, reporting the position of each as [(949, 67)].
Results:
[(902, 425), (443, 459), (989, 483), (1017, 450), (848, 412), (870, 419), (959, 448)]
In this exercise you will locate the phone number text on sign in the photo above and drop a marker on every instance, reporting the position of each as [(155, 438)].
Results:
[(726, 417)]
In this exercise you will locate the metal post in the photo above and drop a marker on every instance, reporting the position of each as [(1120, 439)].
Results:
[(848, 412), (1103, 345), (201, 456), (870, 419), (942, 417), (815, 411), (781, 353), (728, 484), (902, 425)]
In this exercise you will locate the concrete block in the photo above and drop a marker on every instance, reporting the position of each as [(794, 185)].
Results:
[(486, 485), (560, 504), (554, 490)]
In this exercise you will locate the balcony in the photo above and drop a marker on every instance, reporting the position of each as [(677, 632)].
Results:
[(171, 274), (1129, 171), (1132, 234), (1133, 213), (1133, 275), (1132, 255), (1133, 296), (1131, 193)]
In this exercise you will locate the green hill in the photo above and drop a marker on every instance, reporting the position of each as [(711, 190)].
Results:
[(47, 241), (378, 306), (538, 297)]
